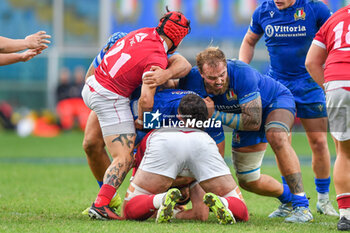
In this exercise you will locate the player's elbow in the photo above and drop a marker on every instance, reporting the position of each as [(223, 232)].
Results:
[(308, 64), (187, 67), (146, 102)]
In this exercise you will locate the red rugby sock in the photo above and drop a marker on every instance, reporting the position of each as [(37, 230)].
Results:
[(238, 208), (140, 207), (343, 202), (105, 195)]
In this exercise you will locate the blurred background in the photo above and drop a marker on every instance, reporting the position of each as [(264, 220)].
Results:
[(79, 29)]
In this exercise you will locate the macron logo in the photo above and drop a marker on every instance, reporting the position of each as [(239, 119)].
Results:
[(140, 36)]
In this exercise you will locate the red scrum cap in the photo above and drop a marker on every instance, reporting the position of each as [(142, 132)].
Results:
[(175, 26)]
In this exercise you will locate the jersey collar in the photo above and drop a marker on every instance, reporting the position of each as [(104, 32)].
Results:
[(292, 7)]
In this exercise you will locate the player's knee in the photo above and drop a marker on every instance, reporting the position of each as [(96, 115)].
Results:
[(319, 143), (249, 181), (277, 134), (92, 145), (276, 138)]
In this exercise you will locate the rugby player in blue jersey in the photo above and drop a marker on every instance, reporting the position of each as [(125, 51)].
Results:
[(289, 27), (260, 110)]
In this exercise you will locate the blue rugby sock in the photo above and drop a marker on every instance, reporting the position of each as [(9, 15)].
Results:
[(322, 185), (286, 196), (299, 201), (100, 183), (283, 180)]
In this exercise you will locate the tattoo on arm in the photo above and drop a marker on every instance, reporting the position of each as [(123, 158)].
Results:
[(126, 139), (295, 182), (251, 115)]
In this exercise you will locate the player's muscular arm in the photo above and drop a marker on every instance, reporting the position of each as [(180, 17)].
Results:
[(34, 41), (251, 115), (178, 67), (10, 58), (90, 71), (315, 59), (246, 51), (249, 120), (146, 100)]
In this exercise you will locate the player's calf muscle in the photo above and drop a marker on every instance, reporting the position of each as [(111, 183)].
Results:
[(295, 182), (125, 139), (116, 173)]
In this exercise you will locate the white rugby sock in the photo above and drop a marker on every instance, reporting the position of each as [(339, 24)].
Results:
[(224, 201), (344, 213), (323, 196), (158, 200)]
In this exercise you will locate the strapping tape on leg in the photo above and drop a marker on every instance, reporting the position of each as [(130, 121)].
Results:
[(278, 125), (247, 165), (134, 190)]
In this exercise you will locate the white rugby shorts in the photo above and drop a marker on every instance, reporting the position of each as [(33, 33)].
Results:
[(171, 150), (113, 110), (338, 109)]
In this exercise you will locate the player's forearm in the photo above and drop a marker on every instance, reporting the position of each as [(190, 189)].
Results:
[(10, 58), (12, 45), (146, 100), (178, 67), (251, 115), (314, 61), (144, 105), (317, 73), (246, 52), (249, 120)]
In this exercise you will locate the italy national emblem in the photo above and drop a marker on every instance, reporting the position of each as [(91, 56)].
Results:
[(230, 95), (299, 14)]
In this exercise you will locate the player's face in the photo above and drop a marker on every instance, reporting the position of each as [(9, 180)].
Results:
[(215, 78), (283, 4)]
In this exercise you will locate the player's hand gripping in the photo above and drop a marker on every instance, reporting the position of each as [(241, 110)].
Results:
[(157, 77), (210, 105)]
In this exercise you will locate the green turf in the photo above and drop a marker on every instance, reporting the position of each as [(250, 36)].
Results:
[(37, 196)]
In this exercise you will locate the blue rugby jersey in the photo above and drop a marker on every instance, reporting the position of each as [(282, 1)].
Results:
[(245, 84), (288, 34)]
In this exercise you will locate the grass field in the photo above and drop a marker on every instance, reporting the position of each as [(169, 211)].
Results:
[(45, 183)]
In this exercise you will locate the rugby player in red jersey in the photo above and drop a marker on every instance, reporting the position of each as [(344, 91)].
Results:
[(331, 47), (107, 94)]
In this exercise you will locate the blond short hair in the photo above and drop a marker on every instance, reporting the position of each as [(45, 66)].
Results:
[(211, 56)]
